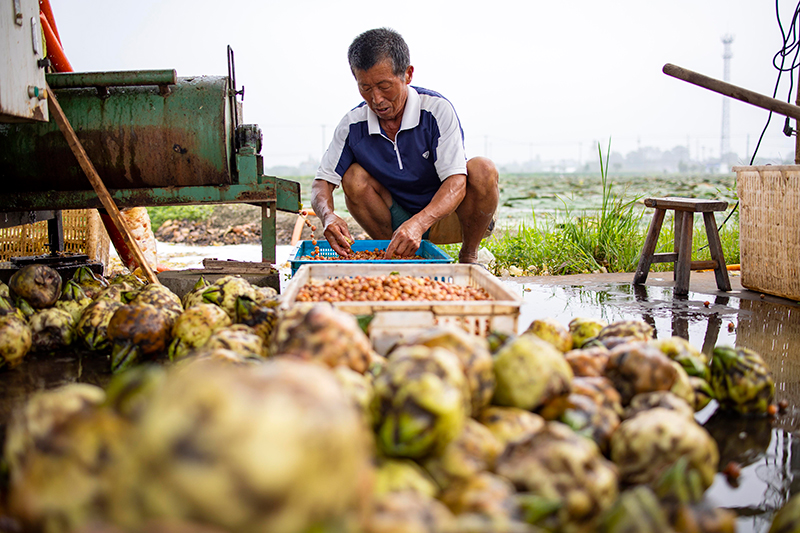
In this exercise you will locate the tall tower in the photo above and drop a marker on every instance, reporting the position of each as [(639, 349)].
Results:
[(725, 140)]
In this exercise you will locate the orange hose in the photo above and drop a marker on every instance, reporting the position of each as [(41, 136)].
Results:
[(44, 7), (54, 51)]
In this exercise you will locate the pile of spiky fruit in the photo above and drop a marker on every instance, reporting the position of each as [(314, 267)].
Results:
[(582, 428)]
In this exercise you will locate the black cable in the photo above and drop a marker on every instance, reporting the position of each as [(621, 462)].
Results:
[(783, 53)]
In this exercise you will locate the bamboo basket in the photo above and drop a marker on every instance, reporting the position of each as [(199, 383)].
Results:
[(83, 234), (769, 234)]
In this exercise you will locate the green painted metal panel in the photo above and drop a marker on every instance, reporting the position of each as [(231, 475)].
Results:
[(136, 138)]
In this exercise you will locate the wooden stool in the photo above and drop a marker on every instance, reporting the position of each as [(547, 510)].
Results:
[(684, 208)]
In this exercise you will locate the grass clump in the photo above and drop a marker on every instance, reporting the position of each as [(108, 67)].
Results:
[(608, 239), (193, 213)]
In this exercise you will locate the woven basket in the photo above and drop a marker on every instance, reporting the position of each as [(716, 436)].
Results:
[(769, 234), (83, 234)]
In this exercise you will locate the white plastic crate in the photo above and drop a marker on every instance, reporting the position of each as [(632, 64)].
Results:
[(395, 320)]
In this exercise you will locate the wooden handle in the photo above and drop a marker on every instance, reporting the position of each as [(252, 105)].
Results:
[(98, 185), (728, 89)]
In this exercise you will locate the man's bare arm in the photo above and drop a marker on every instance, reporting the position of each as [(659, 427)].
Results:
[(334, 227)]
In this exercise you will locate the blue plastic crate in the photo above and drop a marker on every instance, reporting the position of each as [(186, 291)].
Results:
[(430, 253)]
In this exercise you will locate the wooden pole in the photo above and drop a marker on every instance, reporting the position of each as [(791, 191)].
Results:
[(98, 185), (728, 89)]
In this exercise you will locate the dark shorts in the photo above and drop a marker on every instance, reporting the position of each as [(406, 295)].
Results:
[(444, 231), (399, 216)]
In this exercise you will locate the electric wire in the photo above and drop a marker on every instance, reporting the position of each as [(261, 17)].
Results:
[(791, 44)]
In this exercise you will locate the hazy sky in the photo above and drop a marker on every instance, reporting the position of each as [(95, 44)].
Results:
[(528, 78)]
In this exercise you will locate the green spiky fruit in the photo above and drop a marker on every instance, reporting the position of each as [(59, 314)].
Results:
[(409, 511), (129, 392), (552, 331), (16, 339), (195, 296), (7, 307), (92, 327), (637, 329), (693, 361), (136, 332), (662, 399), (275, 447), (588, 362), (62, 470), (160, 297), (637, 509), (37, 284), (645, 446), (421, 402), (472, 351), (703, 393), (194, 327), (319, 332), (600, 390), (583, 329), (509, 424), (89, 282), (206, 355), (530, 373), (74, 307), (483, 494), (474, 450), (238, 338), (357, 387), (224, 292), (129, 279), (591, 419), (636, 367), (563, 471), (400, 475), (52, 329), (787, 519), (497, 339), (262, 317), (741, 380), (72, 291)]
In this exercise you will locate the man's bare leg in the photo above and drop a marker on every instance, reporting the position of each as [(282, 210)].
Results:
[(478, 207), (368, 201)]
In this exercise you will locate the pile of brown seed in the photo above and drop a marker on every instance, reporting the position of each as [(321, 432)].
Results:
[(363, 255), (387, 288)]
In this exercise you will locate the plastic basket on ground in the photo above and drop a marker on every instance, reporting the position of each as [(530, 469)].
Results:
[(394, 320), (769, 234), (430, 253)]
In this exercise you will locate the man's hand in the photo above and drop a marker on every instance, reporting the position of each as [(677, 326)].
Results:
[(338, 235), (405, 240)]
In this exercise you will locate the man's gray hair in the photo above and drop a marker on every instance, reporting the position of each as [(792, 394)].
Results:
[(373, 46)]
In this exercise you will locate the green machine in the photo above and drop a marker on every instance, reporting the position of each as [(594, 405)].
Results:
[(155, 139)]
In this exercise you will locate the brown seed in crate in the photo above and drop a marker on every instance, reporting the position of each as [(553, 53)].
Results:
[(362, 255), (388, 288)]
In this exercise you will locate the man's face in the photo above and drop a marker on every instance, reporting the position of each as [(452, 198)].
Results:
[(384, 93)]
